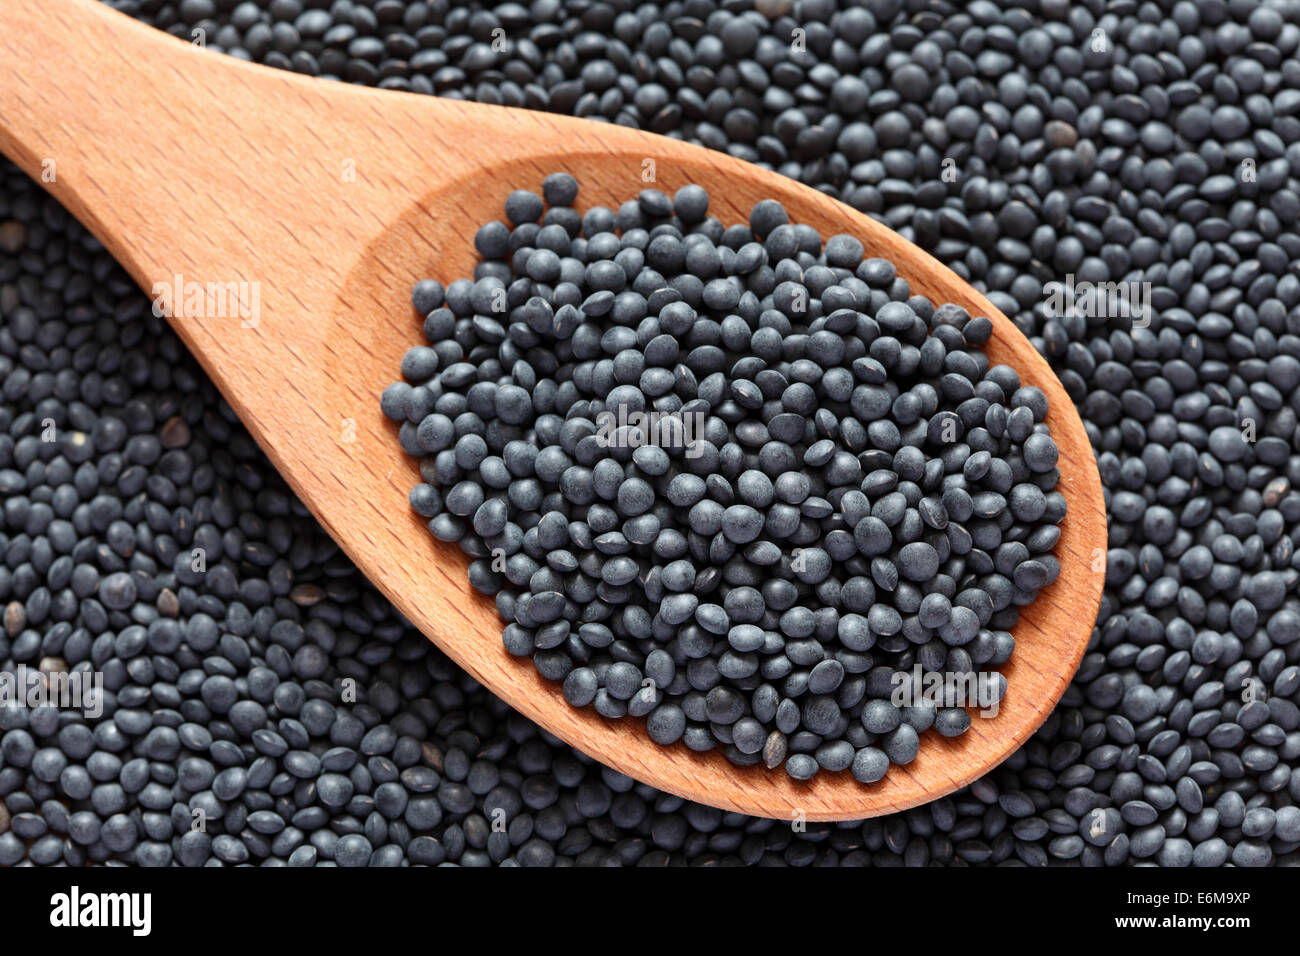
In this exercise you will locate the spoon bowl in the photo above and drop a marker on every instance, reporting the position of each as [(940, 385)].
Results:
[(315, 206)]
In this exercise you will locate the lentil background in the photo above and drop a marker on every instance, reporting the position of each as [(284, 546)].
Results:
[(1156, 142)]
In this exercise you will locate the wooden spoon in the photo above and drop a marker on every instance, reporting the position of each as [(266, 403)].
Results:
[(329, 201)]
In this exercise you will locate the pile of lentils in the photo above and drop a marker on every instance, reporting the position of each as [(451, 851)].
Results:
[(853, 490), (1115, 141)]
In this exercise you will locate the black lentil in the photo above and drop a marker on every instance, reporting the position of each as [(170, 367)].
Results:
[(860, 378), (1030, 152)]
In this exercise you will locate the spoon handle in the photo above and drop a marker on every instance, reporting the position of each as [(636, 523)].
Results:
[(185, 162)]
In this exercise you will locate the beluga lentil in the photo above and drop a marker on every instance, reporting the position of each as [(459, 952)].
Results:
[(843, 525), (871, 111)]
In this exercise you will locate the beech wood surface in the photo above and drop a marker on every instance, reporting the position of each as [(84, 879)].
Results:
[(185, 162)]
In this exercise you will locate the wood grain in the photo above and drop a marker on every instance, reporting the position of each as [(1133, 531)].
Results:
[(184, 162)]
